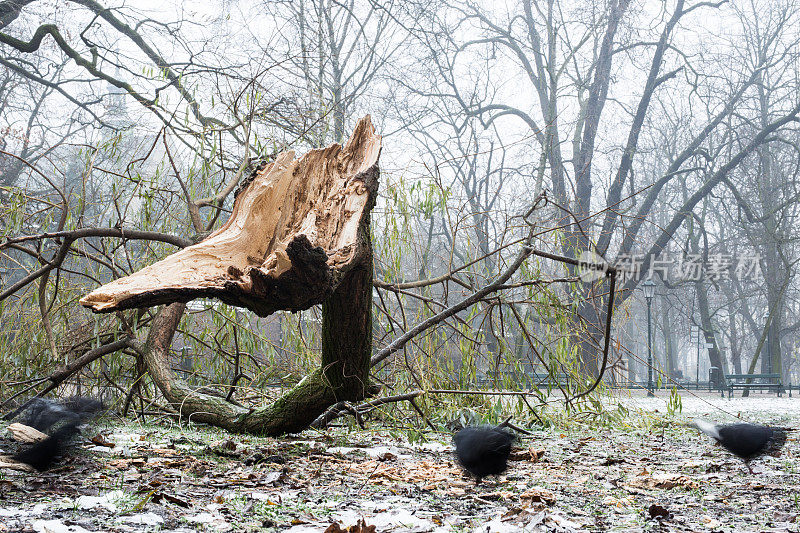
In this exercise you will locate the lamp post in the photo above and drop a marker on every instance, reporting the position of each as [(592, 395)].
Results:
[(766, 359), (649, 289), (697, 368)]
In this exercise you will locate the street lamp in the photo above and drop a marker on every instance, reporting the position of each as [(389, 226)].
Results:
[(649, 289), (766, 360)]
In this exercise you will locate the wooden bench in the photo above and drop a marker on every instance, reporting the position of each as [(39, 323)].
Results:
[(523, 379), (754, 381), (545, 380)]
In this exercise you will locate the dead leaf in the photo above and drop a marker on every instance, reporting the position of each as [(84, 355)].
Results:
[(158, 496), (100, 440), (273, 478), (658, 512), (612, 501), (360, 527), (165, 452), (124, 464), (513, 512), (540, 495), (663, 481), (779, 516), (529, 454), (497, 496)]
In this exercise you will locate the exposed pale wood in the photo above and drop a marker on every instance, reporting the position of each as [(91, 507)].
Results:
[(23, 433), (292, 236), (9, 463)]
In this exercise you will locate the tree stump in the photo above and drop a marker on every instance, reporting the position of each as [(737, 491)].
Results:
[(298, 236)]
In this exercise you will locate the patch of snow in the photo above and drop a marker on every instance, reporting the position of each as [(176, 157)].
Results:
[(397, 519), (348, 518), (146, 519), (13, 512), (380, 451), (127, 438), (341, 450), (105, 450), (39, 508), (90, 502), (374, 451), (432, 447), (55, 526), (306, 528), (106, 501), (314, 445), (562, 522), (497, 526), (210, 519), (277, 497), (758, 407), (202, 518)]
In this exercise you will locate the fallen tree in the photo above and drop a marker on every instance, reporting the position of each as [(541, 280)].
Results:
[(298, 236)]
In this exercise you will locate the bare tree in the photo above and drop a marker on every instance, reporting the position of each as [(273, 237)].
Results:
[(570, 58)]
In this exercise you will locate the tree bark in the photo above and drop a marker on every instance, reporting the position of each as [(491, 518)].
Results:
[(706, 324), (669, 340)]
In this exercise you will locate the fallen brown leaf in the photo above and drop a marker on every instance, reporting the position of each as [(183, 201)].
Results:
[(124, 464), (663, 481), (360, 527), (540, 495), (528, 454), (658, 512), (100, 440), (158, 496)]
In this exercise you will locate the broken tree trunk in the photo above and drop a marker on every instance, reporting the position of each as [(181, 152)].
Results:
[(298, 236)]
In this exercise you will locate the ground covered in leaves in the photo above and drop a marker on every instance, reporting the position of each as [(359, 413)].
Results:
[(639, 476)]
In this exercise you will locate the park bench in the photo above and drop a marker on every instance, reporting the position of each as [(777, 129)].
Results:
[(542, 380), (524, 379), (754, 382)]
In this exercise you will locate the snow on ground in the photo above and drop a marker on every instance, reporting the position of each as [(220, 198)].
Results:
[(574, 477), (758, 408)]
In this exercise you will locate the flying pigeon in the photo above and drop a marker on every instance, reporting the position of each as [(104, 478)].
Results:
[(747, 441), (483, 450), (61, 420)]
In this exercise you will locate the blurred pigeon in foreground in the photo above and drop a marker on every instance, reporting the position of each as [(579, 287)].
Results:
[(61, 421), (747, 441), (483, 450)]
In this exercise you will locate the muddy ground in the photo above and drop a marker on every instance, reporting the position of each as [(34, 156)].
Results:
[(639, 476)]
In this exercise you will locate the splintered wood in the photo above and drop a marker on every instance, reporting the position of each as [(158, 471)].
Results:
[(292, 235), (23, 433)]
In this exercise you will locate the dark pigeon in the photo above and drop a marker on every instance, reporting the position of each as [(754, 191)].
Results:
[(747, 441), (61, 421), (483, 450)]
